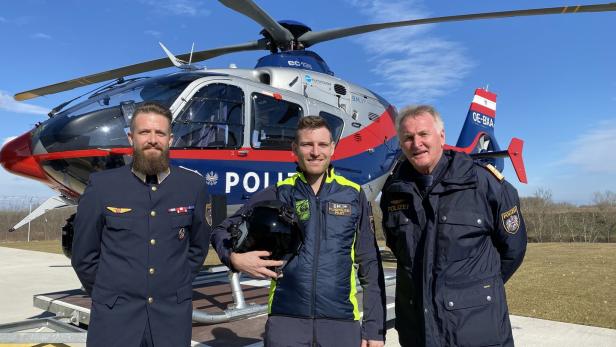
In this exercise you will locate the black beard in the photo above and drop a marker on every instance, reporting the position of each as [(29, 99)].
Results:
[(150, 166)]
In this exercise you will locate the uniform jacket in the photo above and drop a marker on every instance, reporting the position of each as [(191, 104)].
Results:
[(320, 282), (136, 250), (456, 246)]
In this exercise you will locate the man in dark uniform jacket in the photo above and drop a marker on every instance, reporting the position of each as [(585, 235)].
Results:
[(456, 230), (141, 236), (314, 302)]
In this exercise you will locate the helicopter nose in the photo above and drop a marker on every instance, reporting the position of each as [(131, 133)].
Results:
[(16, 157)]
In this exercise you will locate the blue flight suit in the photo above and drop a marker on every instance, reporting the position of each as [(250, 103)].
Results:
[(136, 250), (457, 240), (314, 302)]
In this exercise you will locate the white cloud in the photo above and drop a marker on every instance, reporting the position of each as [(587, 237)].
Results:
[(41, 36), (593, 150), (7, 103), (178, 7), (152, 33), (413, 66)]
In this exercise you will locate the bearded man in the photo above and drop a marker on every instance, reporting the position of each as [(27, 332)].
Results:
[(141, 235)]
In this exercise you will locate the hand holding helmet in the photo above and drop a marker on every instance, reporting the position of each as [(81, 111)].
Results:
[(268, 234)]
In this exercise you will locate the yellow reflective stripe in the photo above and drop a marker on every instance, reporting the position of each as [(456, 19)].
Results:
[(270, 297), (353, 293), (342, 181), (287, 182)]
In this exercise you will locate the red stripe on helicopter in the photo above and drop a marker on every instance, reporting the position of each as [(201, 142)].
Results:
[(367, 138), (468, 149), (482, 109), (485, 94), (349, 146)]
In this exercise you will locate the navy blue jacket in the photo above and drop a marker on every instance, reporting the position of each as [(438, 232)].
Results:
[(136, 250), (456, 244), (320, 281)]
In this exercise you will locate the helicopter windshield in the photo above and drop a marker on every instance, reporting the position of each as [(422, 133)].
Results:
[(102, 120)]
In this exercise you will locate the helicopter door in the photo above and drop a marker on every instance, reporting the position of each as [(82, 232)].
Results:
[(213, 118), (273, 121)]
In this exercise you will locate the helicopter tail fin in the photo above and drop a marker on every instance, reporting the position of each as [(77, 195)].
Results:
[(477, 135)]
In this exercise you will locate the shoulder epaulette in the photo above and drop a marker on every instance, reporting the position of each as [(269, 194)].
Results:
[(494, 171)]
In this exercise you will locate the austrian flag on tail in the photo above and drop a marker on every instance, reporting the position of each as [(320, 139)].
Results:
[(484, 102)]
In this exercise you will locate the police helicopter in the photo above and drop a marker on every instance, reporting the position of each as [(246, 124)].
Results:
[(235, 126)]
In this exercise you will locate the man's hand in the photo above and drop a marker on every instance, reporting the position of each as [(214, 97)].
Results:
[(372, 343), (252, 263)]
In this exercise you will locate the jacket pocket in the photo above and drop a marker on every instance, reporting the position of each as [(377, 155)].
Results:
[(463, 232), (185, 293), (473, 312), (118, 223), (400, 237), (106, 297)]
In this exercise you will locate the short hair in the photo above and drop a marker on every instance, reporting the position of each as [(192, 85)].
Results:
[(312, 123), (151, 107), (413, 111)]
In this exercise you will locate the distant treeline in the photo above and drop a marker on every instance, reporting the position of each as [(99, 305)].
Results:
[(46, 227), (546, 220)]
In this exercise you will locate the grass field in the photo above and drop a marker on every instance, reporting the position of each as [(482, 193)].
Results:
[(566, 282)]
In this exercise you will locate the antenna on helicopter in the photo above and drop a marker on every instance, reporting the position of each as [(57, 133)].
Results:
[(184, 65), (191, 52)]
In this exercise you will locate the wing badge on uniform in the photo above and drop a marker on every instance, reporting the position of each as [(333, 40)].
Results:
[(118, 209), (511, 220), (208, 213)]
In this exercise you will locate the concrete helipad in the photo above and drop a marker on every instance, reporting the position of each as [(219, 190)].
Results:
[(26, 273)]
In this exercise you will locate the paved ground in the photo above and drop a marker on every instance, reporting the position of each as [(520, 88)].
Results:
[(25, 273)]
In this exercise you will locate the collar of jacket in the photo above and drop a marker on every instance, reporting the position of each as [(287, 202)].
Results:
[(161, 175), (455, 171), (329, 174)]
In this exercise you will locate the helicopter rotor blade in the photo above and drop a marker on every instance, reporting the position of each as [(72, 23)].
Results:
[(256, 13), (135, 69), (312, 37)]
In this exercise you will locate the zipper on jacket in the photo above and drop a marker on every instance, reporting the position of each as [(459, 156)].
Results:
[(315, 262), (317, 245)]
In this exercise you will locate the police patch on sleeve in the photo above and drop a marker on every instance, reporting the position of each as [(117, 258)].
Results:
[(302, 209), (511, 220), (208, 213), (338, 209)]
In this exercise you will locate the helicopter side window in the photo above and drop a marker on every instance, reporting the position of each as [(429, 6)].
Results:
[(213, 118), (335, 124), (274, 122)]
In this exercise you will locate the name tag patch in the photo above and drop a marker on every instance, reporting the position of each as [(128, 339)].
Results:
[(397, 205), (338, 209)]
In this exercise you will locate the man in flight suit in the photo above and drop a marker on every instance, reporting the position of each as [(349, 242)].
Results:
[(456, 230), (314, 302), (141, 235)]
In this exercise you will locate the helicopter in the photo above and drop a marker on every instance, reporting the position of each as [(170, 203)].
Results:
[(234, 126)]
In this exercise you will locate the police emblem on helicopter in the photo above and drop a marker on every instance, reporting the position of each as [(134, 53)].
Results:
[(211, 178)]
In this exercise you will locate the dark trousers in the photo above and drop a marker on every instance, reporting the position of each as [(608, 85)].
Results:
[(283, 331)]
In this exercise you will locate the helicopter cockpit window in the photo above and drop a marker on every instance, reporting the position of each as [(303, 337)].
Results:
[(274, 122), (102, 120), (335, 124), (213, 118)]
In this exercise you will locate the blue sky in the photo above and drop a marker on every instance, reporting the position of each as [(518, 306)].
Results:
[(555, 76)]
